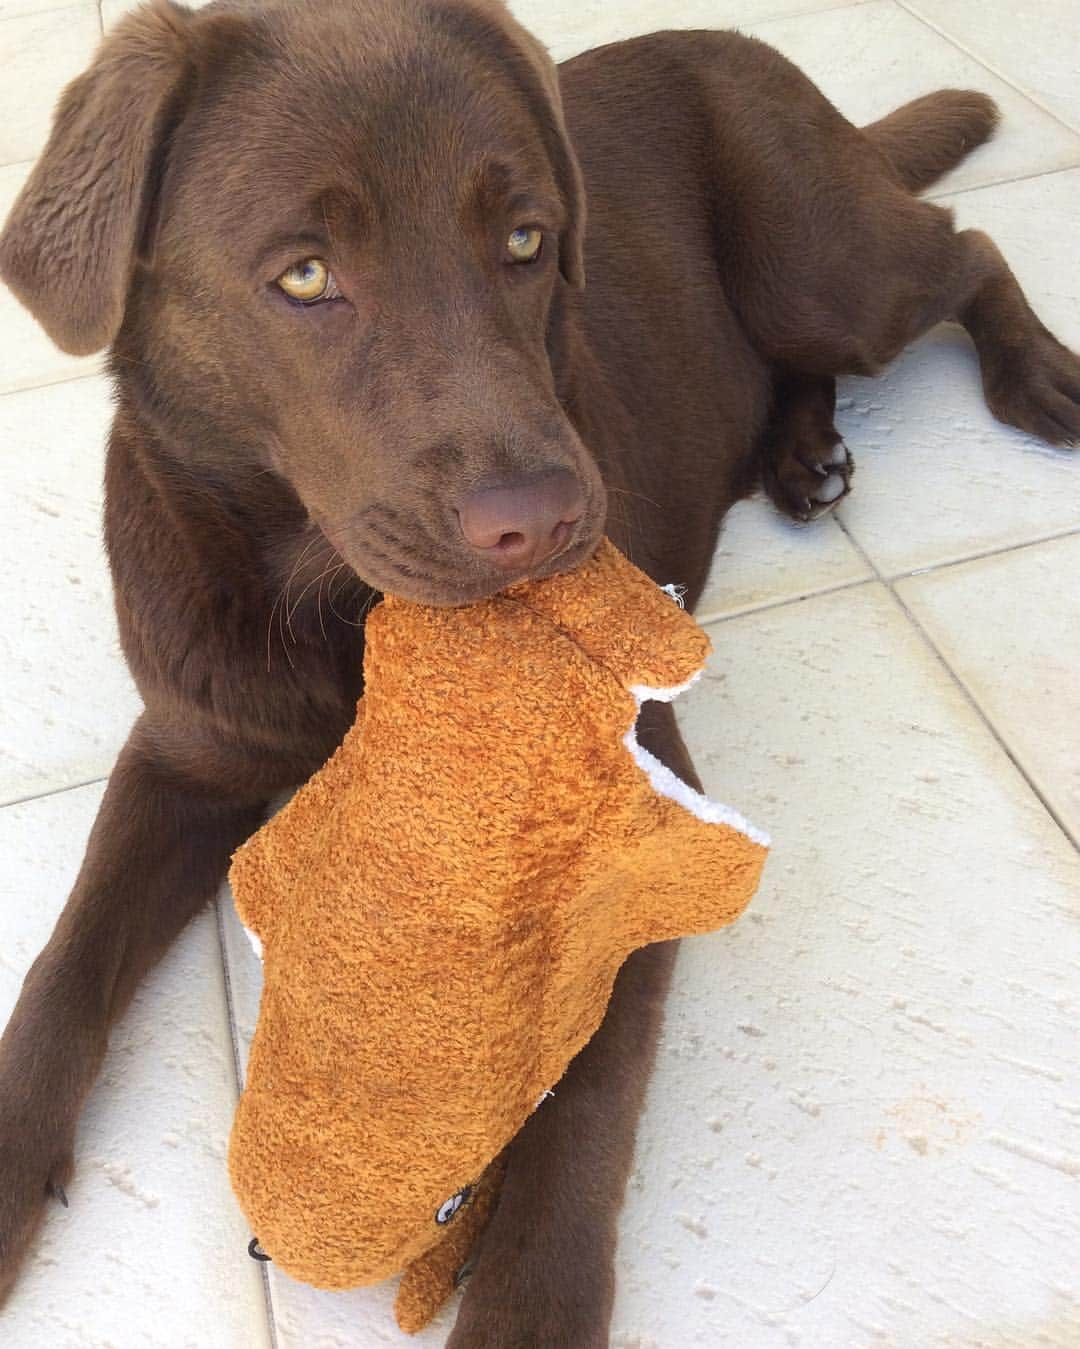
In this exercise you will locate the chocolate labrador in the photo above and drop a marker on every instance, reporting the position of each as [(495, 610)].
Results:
[(363, 339)]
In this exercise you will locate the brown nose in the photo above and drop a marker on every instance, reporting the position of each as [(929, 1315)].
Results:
[(523, 523)]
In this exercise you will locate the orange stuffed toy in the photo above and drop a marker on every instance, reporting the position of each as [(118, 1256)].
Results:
[(444, 907)]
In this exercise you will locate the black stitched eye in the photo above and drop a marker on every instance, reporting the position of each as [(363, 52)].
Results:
[(524, 243), (457, 1201)]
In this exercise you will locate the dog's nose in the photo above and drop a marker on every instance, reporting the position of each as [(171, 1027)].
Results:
[(521, 524)]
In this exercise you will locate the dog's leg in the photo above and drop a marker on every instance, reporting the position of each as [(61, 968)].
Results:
[(544, 1270), (1030, 379), (805, 467), (157, 852)]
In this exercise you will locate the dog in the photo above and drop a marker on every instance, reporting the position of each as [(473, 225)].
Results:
[(391, 305)]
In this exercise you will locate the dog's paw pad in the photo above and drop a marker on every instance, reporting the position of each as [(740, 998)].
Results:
[(818, 495), (831, 490), (805, 466)]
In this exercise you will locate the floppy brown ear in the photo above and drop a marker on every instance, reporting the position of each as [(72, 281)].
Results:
[(69, 247)]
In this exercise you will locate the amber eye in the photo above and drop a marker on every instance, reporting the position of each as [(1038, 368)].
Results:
[(308, 281), (523, 245)]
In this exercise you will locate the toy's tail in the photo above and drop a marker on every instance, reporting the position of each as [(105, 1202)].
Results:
[(932, 134)]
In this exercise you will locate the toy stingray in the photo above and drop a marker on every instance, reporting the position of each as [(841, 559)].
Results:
[(444, 907)]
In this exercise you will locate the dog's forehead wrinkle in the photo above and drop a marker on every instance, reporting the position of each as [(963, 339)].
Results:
[(429, 182)]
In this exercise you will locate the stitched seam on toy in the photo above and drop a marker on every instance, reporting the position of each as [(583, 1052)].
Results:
[(563, 631)]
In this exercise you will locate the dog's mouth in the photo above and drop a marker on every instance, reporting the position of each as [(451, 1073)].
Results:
[(450, 588), (447, 577)]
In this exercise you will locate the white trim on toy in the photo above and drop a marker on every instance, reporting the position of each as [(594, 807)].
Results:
[(665, 782)]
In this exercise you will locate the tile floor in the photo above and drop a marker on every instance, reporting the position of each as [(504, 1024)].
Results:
[(864, 1132)]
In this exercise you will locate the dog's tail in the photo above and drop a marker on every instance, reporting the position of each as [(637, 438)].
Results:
[(931, 135)]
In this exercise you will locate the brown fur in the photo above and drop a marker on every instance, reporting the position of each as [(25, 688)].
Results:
[(743, 246)]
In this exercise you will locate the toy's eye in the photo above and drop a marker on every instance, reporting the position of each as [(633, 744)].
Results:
[(524, 244), (452, 1205), (309, 281)]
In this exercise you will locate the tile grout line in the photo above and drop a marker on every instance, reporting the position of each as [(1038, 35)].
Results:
[(1001, 182), (824, 8), (916, 14), (707, 619), (234, 1036), (949, 563), (977, 707), (96, 373), (961, 686), (52, 791), (766, 605)]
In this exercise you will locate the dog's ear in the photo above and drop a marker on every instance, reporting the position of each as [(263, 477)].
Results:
[(70, 244)]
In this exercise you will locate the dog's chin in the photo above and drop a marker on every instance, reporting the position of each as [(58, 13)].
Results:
[(468, 587)]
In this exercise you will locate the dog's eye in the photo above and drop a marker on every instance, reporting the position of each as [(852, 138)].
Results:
[(309, 281), (524, 243)]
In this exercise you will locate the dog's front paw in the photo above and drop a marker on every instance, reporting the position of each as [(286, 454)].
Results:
[(35, 1165), (526, 1303), (806, 468)]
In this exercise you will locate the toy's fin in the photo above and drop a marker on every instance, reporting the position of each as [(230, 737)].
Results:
[(429, 1281)]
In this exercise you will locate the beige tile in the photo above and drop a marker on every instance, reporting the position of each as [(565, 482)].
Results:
[(27, 356), (938, 478), (568, 28), (1036, 45), (870, 59), (40, 53), (14, 9), (863, 1129), (111, 10), (68, 700), (764, 558), (1009, 626), (152, 1250)]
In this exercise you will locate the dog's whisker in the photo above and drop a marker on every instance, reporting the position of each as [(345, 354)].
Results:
[(296, 603), (358, 622), (326, 571), (290, 608), (330, 592), (131, 360), (269, 630), (626, 492), (627, 530), (322, 625), (281, 626)]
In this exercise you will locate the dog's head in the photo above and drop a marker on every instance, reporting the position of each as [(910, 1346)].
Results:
[(332, 242)]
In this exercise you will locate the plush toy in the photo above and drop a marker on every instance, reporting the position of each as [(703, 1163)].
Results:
[(444, 907)]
